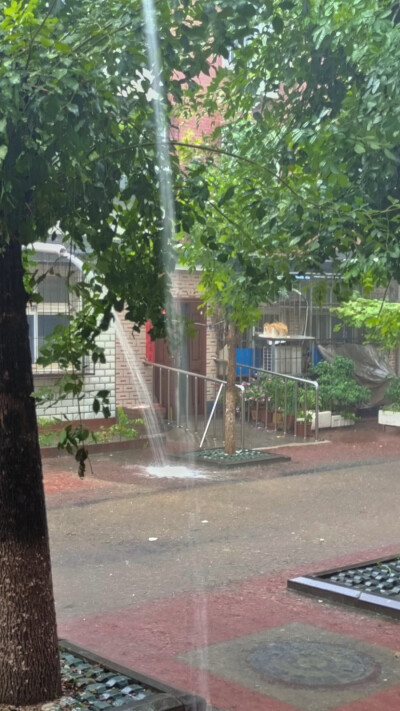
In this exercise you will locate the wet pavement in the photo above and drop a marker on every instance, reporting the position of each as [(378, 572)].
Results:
[(184, 578)]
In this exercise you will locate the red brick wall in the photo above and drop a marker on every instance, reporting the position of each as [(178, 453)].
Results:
[(130, 375)]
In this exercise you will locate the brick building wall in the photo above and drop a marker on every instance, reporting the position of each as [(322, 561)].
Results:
[(133, 378), (100, 377)]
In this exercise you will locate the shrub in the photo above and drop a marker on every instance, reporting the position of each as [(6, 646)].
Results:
[(338, 388), (392, 393)]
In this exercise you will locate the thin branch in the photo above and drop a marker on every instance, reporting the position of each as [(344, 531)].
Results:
[(383, 299), (244, 159), (35, 34)]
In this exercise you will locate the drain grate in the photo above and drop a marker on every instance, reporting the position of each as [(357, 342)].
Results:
[(374, 584), (243, 457)]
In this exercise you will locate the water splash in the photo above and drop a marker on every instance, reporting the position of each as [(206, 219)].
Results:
[(171, 471)]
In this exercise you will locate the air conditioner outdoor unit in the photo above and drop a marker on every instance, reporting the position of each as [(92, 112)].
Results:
[(283, 359)]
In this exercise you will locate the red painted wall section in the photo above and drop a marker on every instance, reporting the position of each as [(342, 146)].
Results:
[(150, 345), (195, 127)]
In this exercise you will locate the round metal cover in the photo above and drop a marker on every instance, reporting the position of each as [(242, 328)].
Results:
[(312, 664)]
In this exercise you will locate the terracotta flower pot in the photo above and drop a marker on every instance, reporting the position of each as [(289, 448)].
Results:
[(262, 414), (303, 429), (289, 423)]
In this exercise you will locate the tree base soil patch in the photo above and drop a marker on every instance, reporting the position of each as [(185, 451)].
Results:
[(374, 585), (218, 458)]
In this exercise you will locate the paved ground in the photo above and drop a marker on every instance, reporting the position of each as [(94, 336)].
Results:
[(185, 578)]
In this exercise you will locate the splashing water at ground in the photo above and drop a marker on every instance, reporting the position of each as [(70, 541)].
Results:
[(175, 472)]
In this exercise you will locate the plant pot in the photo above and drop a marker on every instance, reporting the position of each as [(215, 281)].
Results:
[(262, 414), (277, 420), (389, 417), (289, 423), (340, 421), (303, 429)]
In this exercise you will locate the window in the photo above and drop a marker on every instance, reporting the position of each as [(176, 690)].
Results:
[(57, 304)]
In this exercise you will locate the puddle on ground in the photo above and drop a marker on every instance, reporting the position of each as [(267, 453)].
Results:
[(167, 471)]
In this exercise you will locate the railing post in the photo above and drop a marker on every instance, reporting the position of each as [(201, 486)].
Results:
[(196, 408), (178, 400), (316, 411), (187, 402), (169, 413), (243, 415)]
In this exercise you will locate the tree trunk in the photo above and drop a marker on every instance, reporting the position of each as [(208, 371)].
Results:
[(230, 407), (29, 660)]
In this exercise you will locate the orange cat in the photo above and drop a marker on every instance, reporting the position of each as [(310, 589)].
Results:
[(277, 328)]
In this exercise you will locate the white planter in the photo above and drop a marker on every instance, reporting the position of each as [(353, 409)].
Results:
[(389, 417), (339, 421), (324, 419)]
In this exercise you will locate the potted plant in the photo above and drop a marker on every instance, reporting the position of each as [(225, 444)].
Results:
[(287, 397), (257, 395), (339, 390), (303, 423), (390, 414)]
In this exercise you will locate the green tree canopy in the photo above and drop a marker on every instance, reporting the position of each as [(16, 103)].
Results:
[(311, 99)]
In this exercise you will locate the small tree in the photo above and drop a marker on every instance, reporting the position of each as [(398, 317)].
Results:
[(241, 265)]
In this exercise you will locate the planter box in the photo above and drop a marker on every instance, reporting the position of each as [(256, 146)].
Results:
[(339, 421), (389, 417), (324, 419)]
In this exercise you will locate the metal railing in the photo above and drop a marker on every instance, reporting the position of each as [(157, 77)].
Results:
[(284, 397), (194, 401)]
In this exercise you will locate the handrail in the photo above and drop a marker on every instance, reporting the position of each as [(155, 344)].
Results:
[(304, 381), (184, 372), (208, 379)]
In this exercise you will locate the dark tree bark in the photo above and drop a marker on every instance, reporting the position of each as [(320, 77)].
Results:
[(29, 660), (230, 408)]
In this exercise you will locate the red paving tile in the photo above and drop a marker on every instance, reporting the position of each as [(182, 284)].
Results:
[(149, 637), (59, 482), (385, 701)]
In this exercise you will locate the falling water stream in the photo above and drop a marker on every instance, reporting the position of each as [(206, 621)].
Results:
[(160, 467), (150, 417), (200, 619)]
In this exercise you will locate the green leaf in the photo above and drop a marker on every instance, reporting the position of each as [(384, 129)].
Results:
[(277, 24), (227, 195), (359, 148)]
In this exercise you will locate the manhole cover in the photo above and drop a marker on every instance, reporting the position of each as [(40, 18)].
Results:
[(312, 664)]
